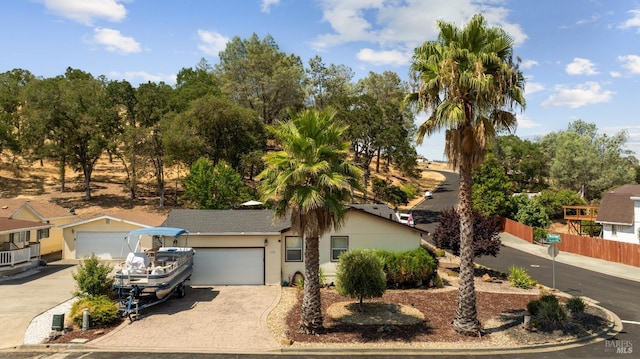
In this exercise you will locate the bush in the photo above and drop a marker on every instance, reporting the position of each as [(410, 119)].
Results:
[(408, 269), (519, 278), (92, 278), (576, 305), (486, 233), (539, 235), (410, 190), (546, 313), (102, 311), (360, 275)]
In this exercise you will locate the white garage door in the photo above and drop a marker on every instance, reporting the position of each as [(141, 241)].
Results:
[(232, 266), (105, 245)]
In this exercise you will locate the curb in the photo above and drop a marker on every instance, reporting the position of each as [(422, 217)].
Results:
[(614, 327)]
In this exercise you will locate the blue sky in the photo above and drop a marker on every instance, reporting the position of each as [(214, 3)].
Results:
[(581, 58)]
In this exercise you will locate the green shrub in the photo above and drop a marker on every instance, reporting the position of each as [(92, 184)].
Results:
[(410, 190), (360, 275), (411, 268), (576, 305), (539, 235), (519, 278), (438, 282), (92, 277), (546, 313), (102, 311)]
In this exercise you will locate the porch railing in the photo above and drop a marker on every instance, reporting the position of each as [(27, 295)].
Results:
[(11, 258)]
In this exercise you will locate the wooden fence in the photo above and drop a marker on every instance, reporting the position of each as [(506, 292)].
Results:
[(518, 229), (613, 251)]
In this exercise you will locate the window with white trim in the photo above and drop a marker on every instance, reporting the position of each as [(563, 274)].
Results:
[(339, 244), (293, 249), (19, 237), (614, 229)]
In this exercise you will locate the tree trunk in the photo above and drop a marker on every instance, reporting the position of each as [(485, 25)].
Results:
[(466, 321), (87, 184), (311, 316), (63, 167)]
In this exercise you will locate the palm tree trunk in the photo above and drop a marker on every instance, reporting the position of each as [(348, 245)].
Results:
[(311, 316), (466, 321)]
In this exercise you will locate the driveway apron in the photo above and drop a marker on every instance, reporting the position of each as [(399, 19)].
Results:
[(22, 299), (227, 318)]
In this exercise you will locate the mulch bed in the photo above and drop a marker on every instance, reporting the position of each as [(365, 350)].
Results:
[(438, 307)]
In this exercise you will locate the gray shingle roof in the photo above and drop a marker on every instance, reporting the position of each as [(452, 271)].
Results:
[(381, 210), (226, 221), (616, 206)]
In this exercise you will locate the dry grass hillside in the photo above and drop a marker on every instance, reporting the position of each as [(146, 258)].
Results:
[(41, 182)]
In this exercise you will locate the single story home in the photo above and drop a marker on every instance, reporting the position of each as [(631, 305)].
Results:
[(619, 214), (103, 235), (43, 212), (250, 247)]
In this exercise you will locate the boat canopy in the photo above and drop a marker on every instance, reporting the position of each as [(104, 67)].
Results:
[(158, 231)]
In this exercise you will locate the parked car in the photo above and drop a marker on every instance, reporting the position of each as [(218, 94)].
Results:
[(428, 195), (406, 218)]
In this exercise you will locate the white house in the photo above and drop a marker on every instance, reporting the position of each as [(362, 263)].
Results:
[(249, 247), (619, 214)]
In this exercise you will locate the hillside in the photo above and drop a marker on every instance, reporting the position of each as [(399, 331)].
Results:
[(109, 194)]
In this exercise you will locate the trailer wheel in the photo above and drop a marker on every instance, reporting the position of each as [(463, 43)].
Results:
[(181, 290)]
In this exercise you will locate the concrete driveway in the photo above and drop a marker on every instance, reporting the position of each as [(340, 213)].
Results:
[(224, 318), (22, 299)]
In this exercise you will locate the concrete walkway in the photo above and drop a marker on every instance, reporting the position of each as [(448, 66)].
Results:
[(593, 264)]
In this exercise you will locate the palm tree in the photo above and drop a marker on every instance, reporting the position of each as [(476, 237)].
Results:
[(469, 85), (311, 178)]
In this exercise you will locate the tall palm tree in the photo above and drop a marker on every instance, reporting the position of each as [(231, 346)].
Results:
[(311, 178), (469, 85)]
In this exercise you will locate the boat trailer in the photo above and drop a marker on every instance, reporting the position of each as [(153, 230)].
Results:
[(133, 302)]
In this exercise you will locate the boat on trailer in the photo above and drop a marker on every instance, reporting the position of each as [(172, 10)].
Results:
[(150, 276)]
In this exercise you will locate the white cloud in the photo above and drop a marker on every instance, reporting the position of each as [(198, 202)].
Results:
[(378, 58), (615, 74), (211, 43), (581, 66), (581, 95), (115, 42), (402, 25), (634, 21), (532, 87), (86, 11), (143, 77), (527, 64), (631, 63), (524, 122), (267, 4)]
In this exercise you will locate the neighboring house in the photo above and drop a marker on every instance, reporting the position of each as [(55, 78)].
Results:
[(103, 235), (619, 214), (20, 244), (44, 212), (235, 247)]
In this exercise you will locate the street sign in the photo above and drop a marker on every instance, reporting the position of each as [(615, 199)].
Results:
[(554, 238), (553, 252)]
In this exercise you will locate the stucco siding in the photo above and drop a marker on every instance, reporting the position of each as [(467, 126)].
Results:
[(363, 231)]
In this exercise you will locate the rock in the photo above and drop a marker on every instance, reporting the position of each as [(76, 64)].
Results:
[(486, 277), (286, 341)]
